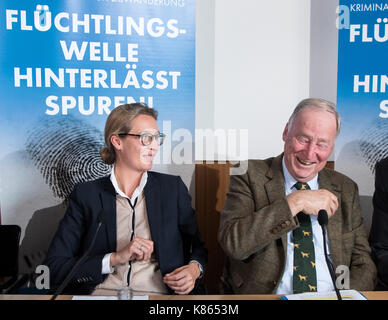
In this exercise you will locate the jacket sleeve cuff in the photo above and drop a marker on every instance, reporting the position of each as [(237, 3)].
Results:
[(106, 268)]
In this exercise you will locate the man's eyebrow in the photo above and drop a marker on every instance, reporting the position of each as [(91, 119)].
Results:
[(323, 140), (304, 135)]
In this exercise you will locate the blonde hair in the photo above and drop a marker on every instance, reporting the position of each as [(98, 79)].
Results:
[(120, 121)]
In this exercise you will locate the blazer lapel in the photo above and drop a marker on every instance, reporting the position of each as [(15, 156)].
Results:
[(108, 200), (334, 226), (152, 195), (275, 186)]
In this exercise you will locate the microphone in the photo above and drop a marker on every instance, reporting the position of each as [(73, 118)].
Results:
[(323, 219), (100, 221)]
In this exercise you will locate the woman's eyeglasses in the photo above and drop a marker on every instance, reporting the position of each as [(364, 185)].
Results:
[(147, 138)]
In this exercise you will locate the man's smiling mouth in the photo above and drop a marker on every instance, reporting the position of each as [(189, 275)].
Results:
[(305, 163)]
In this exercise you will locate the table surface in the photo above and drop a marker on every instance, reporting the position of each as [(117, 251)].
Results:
[(370, 295)]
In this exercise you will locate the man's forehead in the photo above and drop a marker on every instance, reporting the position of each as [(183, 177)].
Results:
[(313, 121), (310, 114)]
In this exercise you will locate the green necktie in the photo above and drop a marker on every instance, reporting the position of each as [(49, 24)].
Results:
[(304, 278)]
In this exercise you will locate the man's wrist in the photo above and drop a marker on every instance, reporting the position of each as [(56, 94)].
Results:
[(294, 203)]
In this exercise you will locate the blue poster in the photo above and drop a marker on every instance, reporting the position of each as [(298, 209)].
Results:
[(362, 99), (64, 65)]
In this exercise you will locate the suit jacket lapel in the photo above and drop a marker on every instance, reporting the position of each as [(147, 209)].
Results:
[(334, 226), (152, 195), (108, 199), (275, 186)]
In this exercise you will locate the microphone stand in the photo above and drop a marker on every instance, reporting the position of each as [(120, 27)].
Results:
[(81, 260), (323, 220)]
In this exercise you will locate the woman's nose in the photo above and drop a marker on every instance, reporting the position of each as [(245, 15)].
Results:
[(154, 144)]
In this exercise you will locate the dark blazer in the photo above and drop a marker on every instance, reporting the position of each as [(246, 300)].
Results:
[(256, 219), (171, 218), (378, 236)]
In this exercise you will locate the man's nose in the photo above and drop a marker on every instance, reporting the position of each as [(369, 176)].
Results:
[(310, 151)]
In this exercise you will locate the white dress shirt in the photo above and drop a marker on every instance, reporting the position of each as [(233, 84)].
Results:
[(324, 282)]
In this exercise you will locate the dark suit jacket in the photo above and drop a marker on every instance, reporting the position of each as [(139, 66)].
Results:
[(378, 236), (172, 222), (256, 219)]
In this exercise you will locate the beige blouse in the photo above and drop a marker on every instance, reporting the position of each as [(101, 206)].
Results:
[(145, 276)]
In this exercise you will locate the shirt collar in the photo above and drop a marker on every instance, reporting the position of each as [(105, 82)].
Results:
[(138, 190), (289, 180)]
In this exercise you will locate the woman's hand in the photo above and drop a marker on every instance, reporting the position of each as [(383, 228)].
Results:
[(138, 249), (182, 280)]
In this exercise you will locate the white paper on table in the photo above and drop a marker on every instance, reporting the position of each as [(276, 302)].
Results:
[(331, 295), (107, 298)]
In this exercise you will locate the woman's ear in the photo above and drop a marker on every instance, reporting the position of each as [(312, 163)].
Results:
[(116, 142)]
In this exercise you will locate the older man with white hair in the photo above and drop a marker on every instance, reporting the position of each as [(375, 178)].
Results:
[(269, 229)]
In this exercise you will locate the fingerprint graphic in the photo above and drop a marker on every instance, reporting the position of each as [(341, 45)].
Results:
[(66, 151), (374, 142)]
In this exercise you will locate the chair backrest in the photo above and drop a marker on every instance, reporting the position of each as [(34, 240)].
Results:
[(9, 250)]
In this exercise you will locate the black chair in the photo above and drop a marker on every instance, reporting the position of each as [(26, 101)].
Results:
[(10, 279)]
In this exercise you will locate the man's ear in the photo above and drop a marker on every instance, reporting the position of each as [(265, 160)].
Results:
[(116, 142), (285, 132)]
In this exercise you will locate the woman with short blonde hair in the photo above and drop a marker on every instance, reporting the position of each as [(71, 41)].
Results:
[(149, 241)]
